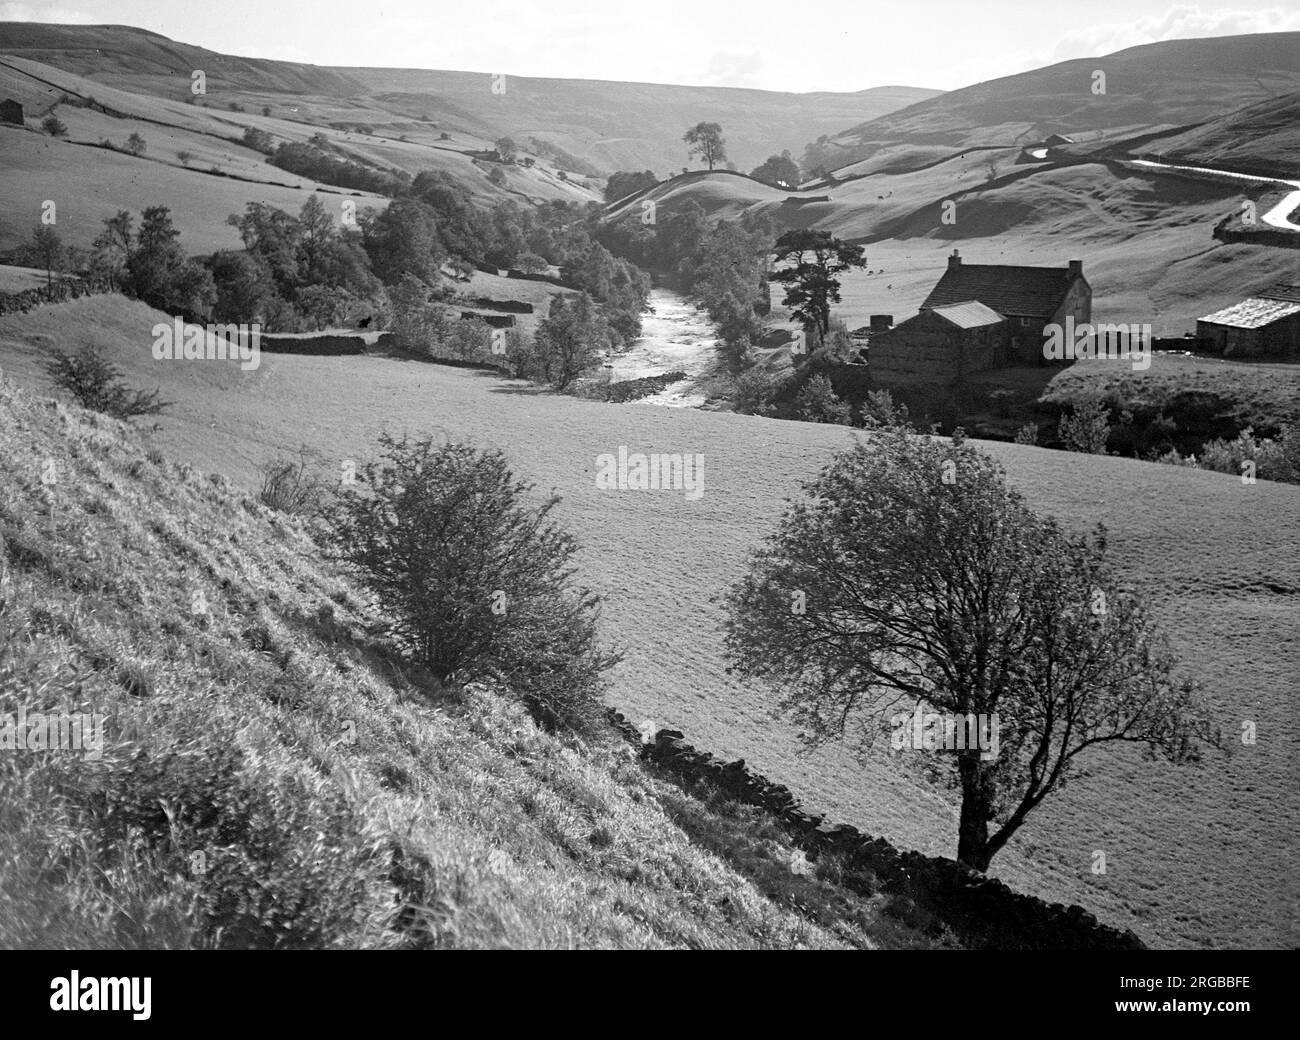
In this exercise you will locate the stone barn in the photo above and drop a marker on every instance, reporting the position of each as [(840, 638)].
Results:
[(1266, 325), (1029, 298), (11, 112), (939, 345)]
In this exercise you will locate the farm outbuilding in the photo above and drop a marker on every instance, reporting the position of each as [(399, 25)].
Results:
[(940, 343), (1265, 325), (11, 112)]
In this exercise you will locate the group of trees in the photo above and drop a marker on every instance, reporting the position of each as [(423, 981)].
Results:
[(908, 577), (317, 160), (295, 273)]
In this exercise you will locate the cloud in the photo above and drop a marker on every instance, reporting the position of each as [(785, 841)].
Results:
[(735, 69), (1185, 21), (10, 12)]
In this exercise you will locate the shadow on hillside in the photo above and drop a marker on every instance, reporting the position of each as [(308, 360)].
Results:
[(371, 652)]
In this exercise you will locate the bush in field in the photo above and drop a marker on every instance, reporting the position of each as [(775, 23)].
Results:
[(754, 392), (911, 576), (1274, 459), (293, 485), (1087, 428), (135, 145), (477, 580), (818, 402), (879, 410), (53, 126), (97, 384)]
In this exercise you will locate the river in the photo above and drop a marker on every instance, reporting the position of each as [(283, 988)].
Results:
[(675, 336)]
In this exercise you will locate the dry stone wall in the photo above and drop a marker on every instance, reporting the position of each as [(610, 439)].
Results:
[(982, 911)]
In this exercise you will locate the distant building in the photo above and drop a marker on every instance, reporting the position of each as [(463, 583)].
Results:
[(940, 344), (1264, 325), (1058, 139), (1030, 298), (11, 112)]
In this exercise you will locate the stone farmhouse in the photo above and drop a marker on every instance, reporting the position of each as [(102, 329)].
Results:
[(1264, 325), (979, 317)]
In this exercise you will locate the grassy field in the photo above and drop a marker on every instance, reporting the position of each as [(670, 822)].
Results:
[(1199, 856), (358, 804)]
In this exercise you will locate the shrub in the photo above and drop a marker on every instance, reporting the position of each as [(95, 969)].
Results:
[(1027, 434), (291, 485), (1087, 428), (135, 144), (97, 384), (879, 410), (818, 402), (477, 581), (53, 126)]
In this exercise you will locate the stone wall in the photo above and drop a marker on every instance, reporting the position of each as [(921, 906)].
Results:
[(982, 911), (60, 292), (325, 344)]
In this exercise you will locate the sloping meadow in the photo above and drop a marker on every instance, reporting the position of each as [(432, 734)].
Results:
[(240, 763)]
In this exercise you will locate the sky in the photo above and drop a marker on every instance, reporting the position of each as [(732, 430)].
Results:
[(840, 45)]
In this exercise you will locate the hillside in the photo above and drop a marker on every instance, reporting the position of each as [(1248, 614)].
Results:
[(606, 126), (1157, 85), (1144, 236), (1260, 138), (196, 163), (272, 775), (1217, 556)]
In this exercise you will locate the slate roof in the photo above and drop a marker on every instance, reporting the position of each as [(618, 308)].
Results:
[(1253, 313), (1282, 291), (969, 315), (1009, 290)]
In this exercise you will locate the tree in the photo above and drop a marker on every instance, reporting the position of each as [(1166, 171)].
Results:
[(496, 177), (477, 581), (622, 184), (53, 126), (111, 249), (813, 260), (259, 140), (570, 340), (818, 402), (928, 583), (243, 285), (706, 141), (45, 249), (135, 144), (778, 171), (404, 239), (97, 384), (506, 149), (1087, 428)]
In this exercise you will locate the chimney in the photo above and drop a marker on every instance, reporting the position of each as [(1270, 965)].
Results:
[(954, 261), (1076, 268)]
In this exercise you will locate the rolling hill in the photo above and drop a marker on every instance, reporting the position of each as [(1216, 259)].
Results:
[(1184, 845), (1144, 236), (594, 126), (1159, 85)]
